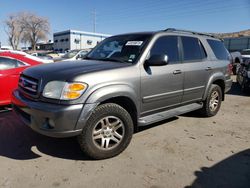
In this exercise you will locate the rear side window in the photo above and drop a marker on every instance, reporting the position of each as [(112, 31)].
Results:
[(6, 63), (219, 49), (192, 49), (167, 45)]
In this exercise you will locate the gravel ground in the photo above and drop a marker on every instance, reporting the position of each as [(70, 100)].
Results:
[(185, 151)]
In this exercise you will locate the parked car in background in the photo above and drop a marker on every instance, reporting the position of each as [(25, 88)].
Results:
[(236, 61), (245, 53), (55, 55), (245, 59), (47, 58), (243, 75), (11, 65), (73, 55)]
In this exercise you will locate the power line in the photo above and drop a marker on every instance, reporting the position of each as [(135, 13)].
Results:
[(195, 10), (172, 6), (94, 20), (206, 12)]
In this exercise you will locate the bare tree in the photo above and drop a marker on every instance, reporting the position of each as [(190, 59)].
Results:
[(14, 29), (35, 28)]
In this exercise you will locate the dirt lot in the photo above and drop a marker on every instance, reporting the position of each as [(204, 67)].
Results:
[(186, 151)]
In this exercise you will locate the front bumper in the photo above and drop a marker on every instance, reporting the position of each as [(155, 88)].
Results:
[(52, 120)]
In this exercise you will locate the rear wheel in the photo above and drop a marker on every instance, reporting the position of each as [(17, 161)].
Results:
[(213, 101), (244, 86), (107, 133)]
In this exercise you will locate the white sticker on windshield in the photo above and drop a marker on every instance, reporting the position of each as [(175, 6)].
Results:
[(134, 43)]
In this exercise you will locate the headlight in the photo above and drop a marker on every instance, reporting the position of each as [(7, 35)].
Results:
[(64, 90)]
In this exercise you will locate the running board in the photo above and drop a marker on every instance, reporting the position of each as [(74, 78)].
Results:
[(168, 114)]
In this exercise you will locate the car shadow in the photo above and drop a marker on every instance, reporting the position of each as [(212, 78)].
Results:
[(17, 141), (236, 90), (231, 172)]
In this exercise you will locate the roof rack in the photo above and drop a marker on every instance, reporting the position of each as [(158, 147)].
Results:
[(187, 31)]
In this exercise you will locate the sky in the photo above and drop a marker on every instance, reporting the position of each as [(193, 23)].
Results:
[(115, 16)]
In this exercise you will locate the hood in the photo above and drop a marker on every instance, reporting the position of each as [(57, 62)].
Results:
[(66, 71)]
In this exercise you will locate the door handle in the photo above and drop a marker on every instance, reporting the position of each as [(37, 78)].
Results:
[(208, 68), (177, 72)]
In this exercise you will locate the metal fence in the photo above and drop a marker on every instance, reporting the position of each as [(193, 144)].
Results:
[(237, 44)]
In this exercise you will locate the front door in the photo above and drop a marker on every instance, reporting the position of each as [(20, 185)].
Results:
[(162, 86)]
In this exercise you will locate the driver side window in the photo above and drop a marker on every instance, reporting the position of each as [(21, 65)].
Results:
[(167, 45)]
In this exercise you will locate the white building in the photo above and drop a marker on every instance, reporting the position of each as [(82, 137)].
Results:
[(72, 39)]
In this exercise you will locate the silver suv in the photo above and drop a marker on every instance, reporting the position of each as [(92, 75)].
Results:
[(127, 81)]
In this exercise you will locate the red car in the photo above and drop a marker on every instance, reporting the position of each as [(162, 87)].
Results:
[(12, 63)]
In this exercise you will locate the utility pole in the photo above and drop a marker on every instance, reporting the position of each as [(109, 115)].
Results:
[(94, 20)]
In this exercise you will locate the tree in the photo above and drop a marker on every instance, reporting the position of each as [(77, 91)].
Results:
[(35, 28), (26, 27), (14, 29)]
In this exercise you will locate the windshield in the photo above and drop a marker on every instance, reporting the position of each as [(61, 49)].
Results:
[(70, 54), (123, 48)]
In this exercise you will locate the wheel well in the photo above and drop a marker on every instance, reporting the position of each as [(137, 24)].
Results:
[(127, 104), (221, 83)]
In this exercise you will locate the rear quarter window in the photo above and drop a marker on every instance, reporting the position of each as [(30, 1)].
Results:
[(219, 49)]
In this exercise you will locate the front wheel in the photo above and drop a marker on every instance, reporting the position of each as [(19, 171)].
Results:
[(213, 101), (107, 133)]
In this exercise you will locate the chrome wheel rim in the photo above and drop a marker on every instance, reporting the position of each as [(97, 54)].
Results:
[(108, 133), (214, 101)]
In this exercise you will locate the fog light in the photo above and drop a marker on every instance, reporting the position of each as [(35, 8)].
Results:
[(51, 123)]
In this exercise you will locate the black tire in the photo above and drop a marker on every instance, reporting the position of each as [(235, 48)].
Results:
[(102, 115), (206, 110), (243, 86)]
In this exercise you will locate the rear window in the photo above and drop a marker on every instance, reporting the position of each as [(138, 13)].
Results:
[(219, 49), (192, 49)]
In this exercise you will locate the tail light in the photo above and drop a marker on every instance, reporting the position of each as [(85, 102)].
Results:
[(229, 68)]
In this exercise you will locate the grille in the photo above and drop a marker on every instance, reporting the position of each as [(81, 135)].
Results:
[(28, 85)]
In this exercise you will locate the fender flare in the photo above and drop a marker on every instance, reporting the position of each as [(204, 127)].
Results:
[(102, 94), (111, 91), (212, 79)]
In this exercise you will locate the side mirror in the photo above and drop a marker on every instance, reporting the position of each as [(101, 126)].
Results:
[(157, 60)]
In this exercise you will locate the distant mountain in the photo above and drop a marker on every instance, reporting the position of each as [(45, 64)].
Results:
[(234, 34)]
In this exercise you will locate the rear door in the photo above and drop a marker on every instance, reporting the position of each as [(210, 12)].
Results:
[(196, 68), (162, 86)]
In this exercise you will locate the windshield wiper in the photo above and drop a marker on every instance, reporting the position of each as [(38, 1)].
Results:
[(112, 59), (106, 59)]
